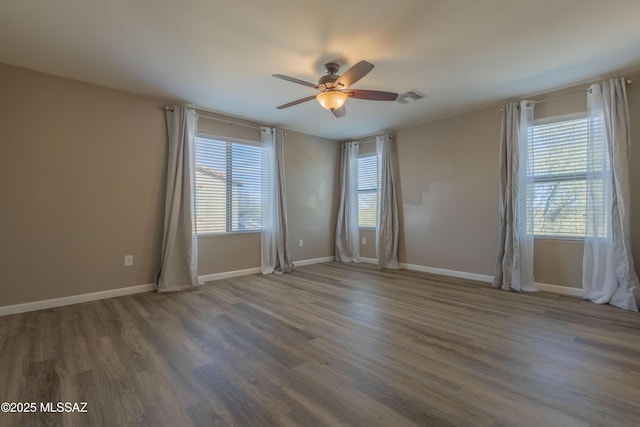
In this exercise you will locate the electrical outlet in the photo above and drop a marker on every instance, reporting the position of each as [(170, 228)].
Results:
[(128, 260), (364, 240), (300, 243)]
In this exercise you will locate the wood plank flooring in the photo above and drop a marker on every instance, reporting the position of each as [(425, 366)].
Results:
[(327, 345)]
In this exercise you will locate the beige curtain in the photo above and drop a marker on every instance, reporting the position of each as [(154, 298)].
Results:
[(178, 269), (276, 256), (347, 231), (514, 267), (387, 225), (608, 275)]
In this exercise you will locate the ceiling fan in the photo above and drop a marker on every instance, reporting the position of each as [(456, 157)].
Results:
[(334, 88)]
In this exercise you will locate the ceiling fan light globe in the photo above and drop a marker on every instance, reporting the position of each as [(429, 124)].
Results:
[(332, 100)]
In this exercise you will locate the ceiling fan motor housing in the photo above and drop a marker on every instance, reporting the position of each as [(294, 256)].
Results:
[(331, 67), (327, 81)]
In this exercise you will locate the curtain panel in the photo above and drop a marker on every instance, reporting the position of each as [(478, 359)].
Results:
[(608, 273), (514, 266), (387, 229), (178, 267), (347, 229), (276, 255)]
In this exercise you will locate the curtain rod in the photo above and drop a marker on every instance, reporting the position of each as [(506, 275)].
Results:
[(367, 141), (230, 122), (564, 95)]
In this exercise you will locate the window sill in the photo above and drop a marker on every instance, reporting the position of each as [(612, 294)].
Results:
[(563, 238), (229, 233)]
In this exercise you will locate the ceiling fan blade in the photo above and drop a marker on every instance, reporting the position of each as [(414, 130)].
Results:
[(296, 102), (339, 112), (354, 74), (294, 80), (373, 95)]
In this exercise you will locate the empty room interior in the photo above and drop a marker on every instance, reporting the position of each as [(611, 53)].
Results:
[(329, 213)]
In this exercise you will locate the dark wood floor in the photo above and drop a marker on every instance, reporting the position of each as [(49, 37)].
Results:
[(328, 344)]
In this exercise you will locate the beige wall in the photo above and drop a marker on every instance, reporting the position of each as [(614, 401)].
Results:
[(81, 186), (311, 173), (228, 252), (220, 125), (368, 245), (448, 187), (449, 191), (634, 116)]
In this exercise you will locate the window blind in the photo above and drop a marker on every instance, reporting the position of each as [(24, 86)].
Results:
[(367, 191), (229, 195), (558, 168)]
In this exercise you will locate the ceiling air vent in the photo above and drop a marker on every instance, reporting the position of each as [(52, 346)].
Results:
[(410, 96)]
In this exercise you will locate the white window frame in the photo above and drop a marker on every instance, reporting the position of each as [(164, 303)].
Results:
[(228, 141)]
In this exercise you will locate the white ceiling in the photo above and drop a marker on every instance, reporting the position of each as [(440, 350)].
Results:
[(220, 54)]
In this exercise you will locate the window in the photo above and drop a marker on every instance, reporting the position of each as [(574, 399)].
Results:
[(558, 172), (228, 186), (367, 191)]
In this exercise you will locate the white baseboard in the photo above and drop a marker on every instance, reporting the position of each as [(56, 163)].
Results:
[(313, 261), (563, 290), (369, 260), (228, 274), (256, 270), (74, 299), (545, 287), (445, 272)]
